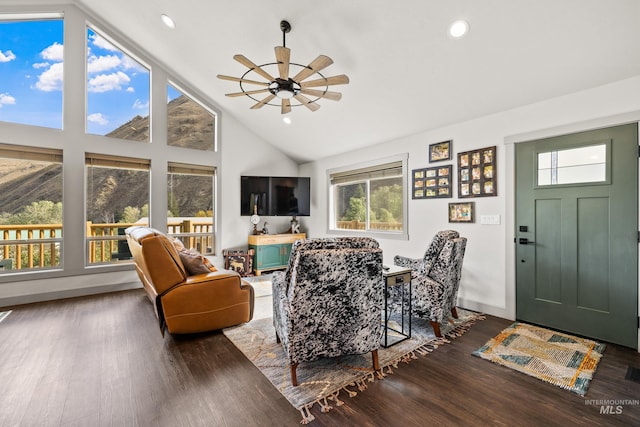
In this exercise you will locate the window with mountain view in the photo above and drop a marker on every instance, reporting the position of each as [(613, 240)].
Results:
[(190, 205), (117, 197), (31, 208), (117, 91), (189, 124), (31, 54), (368, 198)]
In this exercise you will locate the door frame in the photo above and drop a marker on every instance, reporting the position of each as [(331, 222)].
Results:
[(510, 190)]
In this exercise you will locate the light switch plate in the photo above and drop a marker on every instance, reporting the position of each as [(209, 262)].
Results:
[(490, 219)]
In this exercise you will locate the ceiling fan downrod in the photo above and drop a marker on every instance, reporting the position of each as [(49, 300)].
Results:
[(285, 27)]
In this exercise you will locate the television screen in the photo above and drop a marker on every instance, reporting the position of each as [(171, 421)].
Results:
[(275, 196)]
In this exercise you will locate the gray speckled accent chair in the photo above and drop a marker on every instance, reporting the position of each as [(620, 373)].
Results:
[(436, 278), (328, 301)]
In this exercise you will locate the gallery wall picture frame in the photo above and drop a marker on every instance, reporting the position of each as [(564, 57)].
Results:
[(432, 183), (440, 151), (477, 173), (462, 212)]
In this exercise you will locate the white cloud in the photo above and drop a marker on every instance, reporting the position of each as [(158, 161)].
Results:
[(51, 79), (131, 89), (38, 65), (138, 105), (101, 42), (6, 99), (131, 64), (107, 82), (53, 52), (7, 56), (97, 118), (102, 63)]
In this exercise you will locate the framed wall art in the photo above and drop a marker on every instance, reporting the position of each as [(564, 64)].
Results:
[(429, 183), (462, 212), (440, 151), (477, 173)]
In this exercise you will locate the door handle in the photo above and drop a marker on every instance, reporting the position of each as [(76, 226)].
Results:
[(525, 241)]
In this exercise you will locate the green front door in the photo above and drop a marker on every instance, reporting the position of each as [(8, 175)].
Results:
[(577, 233)]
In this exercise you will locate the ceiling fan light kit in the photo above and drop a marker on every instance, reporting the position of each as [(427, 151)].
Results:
[(287, 91)]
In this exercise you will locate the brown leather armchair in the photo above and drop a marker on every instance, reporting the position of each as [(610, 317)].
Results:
[(187, 303)]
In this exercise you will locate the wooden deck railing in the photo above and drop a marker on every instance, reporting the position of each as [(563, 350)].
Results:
[(361, 225), (38, 246)]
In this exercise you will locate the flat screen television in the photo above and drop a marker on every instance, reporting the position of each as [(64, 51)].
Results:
[(275, 195)]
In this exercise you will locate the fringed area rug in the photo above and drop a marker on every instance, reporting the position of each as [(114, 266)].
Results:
[(557, 358), (4, 314), (324, 382)]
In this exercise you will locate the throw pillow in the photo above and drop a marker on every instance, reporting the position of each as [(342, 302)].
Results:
[(195, 263)]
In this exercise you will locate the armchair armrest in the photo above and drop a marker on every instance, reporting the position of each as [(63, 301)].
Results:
[(402, 261)]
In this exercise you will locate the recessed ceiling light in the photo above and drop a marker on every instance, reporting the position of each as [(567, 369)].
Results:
[(287, 120), (458, 29), (168, 21)]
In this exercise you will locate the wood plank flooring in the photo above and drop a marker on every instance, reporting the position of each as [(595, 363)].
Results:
[(101, 361)]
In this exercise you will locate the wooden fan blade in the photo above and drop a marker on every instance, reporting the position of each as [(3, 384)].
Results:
[(282, 56), (342, 79), (263, 102), (286, 106), (306, 102), (247, 63), (249, 92), (316, 65), (334, 96), (240, 80)]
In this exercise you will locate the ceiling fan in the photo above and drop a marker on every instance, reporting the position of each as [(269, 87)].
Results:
[(290, 91)]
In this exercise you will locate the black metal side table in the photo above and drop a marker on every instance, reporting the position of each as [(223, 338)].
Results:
[(397, 281)]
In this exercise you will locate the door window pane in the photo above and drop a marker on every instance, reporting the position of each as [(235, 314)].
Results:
[(31, 63), (573, 165), (117, 198), (189, 124), (117, 91), (31, 213)]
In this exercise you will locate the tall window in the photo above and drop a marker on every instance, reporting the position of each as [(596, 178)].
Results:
[(117, 91), (117, 197), (31, 208), (31, 53), (189, 124), (190, 205), (369, 198)]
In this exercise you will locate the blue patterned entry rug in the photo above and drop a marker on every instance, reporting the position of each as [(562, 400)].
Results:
[(555, 357), (326, 381)]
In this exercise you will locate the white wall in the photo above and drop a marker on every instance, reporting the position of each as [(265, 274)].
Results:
[(488, 280)]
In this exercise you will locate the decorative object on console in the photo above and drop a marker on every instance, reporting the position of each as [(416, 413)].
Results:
[(239, 260), (440, 151), (284, 87), (436, 278), (255, 219), (462, 212), (430, 183), (477, 173)]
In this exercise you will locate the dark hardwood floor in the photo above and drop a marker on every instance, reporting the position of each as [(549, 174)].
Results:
[(101, 361)]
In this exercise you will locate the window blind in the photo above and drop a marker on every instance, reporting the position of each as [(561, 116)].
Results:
[(379, 171)]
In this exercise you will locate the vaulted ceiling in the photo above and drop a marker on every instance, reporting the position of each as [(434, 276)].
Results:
[(407, 74)]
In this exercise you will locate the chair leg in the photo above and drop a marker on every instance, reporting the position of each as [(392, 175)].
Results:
[(454, 312), (436, 328), (376, 363), (294, 376)]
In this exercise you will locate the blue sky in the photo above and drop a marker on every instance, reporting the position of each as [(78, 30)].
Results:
[(31, 69)]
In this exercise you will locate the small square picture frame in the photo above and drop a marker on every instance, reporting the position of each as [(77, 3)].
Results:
[(440, 151), (462, 212)]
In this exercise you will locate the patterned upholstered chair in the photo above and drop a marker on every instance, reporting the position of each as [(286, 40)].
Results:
[(329, 300), (436, 278)]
